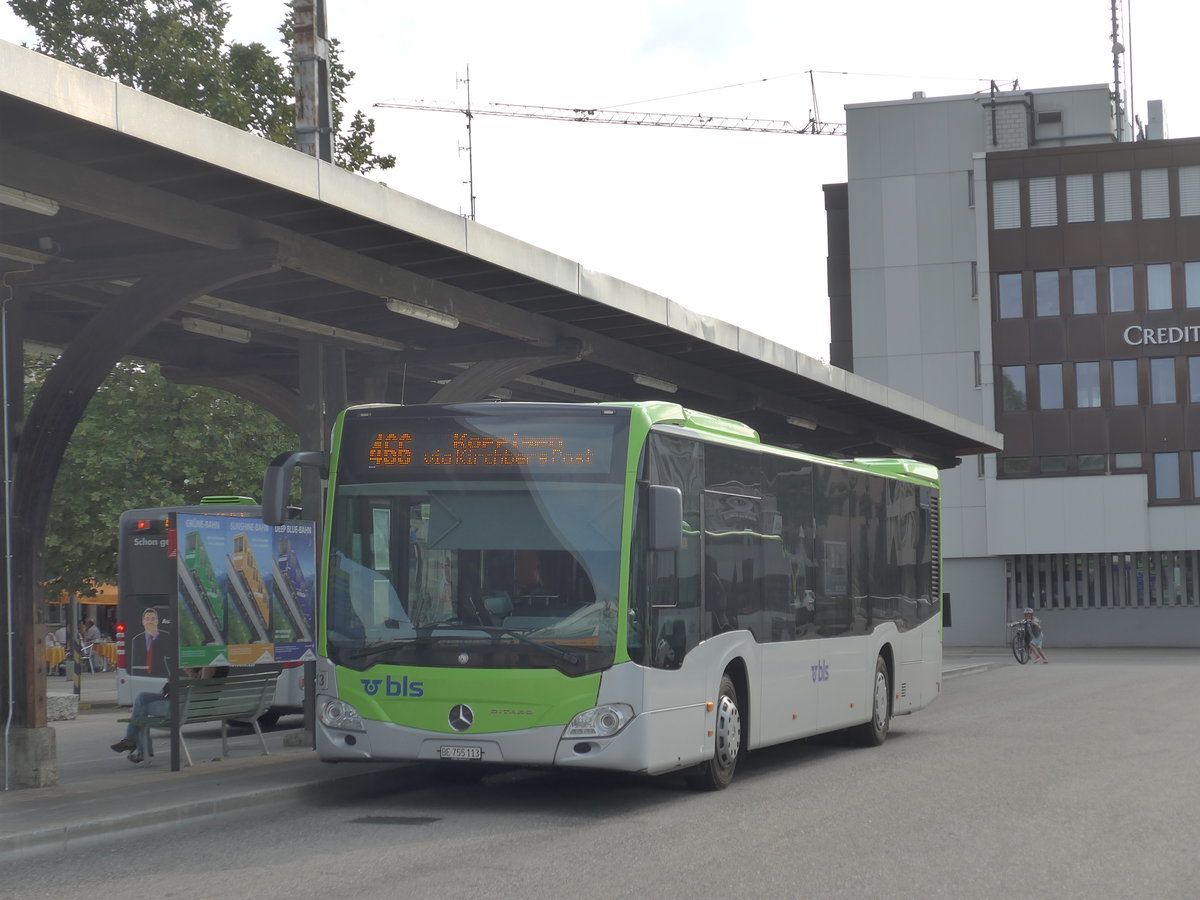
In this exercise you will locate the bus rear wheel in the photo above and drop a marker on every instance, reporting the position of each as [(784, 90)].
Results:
[(875, 731), (717, 773)]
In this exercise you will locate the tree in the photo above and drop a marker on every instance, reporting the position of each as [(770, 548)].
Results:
[(145, 442), (176, 50)]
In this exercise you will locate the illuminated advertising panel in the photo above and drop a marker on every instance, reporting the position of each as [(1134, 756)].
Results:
[(246, 590)]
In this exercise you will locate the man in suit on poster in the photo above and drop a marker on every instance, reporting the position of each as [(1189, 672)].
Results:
[(150, 649)]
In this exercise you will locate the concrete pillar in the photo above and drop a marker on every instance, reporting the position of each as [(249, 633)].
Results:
[(32, 761)]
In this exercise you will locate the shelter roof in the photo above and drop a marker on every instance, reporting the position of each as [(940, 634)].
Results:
[(140, 188)]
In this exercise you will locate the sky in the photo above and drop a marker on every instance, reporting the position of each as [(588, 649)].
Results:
[(729, 224)]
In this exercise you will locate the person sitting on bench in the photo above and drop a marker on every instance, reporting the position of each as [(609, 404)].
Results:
[(151, 703)]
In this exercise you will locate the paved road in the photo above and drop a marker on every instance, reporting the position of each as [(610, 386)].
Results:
[(1076, 779)]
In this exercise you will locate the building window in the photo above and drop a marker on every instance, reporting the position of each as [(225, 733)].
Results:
[(978, 358), (1125, 388), (1166, 476), (1102, 580), (1191, 281), (1189, 190), (1195, 474), (1010, 296), (974, 280), (1120, 289), (1127, 460), (1006, 205), (1053, 465), (1012, 386), (970, 189), (1083, 290), (980, 468), (1050, 386), (1016, 465), (1117, 204), (1156, 202), (1045, 288), (1081, 198), (1043, 202), (1092, 462), (1194, 379), (1162, 380), (1158, 286), (1087, 385)]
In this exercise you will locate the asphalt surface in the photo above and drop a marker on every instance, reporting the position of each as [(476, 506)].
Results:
[(100, 793)]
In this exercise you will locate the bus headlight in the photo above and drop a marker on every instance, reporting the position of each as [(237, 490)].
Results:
[(340, 714), (600, 721)]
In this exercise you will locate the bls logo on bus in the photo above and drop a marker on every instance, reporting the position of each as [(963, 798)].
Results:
[(820, 672), (392, 687)]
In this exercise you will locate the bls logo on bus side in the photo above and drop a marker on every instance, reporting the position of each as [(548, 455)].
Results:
[(392, 687), (820, 672)]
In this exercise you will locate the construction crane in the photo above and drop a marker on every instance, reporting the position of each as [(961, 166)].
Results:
[(633, 117), (814, 125)]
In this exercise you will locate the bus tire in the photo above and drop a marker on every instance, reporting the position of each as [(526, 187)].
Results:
[(874, 732), (717, 773)]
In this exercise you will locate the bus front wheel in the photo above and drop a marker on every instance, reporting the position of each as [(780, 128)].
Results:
[(873, 732), (716, 774)]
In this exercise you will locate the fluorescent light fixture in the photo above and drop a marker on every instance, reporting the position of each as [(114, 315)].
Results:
[(500, 393), (424, 313), (44, 349), (216, 329), (658, 384), (802, 423), (10, 196)]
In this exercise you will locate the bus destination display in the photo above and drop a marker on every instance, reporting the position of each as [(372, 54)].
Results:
[(462, 449), (449, 448)]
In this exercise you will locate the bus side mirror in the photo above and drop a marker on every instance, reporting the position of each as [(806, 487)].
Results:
[(665, 517), (277, 481)]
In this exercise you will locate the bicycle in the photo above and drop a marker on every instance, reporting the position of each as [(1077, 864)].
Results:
[(1020, 641)]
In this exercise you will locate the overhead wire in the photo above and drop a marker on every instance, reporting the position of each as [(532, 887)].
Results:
[(808, 72)]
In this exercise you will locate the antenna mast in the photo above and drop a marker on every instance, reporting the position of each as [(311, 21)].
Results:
[(1117, 49), (470, 144)]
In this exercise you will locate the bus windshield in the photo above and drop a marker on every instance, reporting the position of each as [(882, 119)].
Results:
[(476, 541)]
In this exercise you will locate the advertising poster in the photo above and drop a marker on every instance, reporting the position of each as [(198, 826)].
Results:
[(246, 591)]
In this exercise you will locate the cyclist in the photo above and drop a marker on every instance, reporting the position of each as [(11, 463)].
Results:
[(1034, 624)]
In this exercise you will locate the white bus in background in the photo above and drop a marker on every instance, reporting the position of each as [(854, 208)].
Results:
[(148, 574)]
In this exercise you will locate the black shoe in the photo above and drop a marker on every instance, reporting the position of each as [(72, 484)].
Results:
[(123, 745), (136, 757)]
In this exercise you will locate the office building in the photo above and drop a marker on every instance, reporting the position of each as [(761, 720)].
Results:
[(1015, 258)]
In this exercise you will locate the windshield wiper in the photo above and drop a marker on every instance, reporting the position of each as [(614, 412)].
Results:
[(552, 649), (499, 631)]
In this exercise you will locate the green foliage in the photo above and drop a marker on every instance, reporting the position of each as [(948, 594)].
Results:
[(146, 442), (176, 50)]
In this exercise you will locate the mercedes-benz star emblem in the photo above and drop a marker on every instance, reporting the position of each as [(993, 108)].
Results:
[(461, 717)]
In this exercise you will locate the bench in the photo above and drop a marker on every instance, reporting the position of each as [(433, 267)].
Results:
[(239, 697)]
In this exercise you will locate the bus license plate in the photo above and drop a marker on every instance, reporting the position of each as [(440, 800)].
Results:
[(460, 752)]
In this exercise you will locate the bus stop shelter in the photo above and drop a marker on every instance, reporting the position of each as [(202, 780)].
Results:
[(130, 227)]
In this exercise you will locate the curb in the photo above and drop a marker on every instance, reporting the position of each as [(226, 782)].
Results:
[(73, 835), (975, 669)]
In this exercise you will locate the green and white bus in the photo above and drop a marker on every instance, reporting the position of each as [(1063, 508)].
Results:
[(625, 586)]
